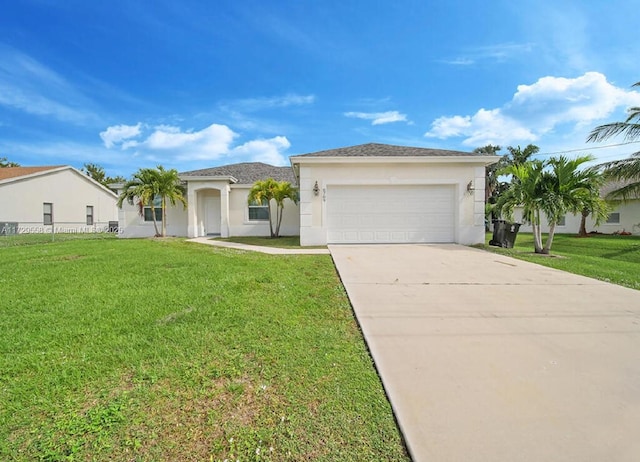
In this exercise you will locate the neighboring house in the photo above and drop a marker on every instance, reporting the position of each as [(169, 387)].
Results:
[(217, 205), (37, 199), (371, 193), (624, 217)]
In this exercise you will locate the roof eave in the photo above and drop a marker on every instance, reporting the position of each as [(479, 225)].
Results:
[(228, 178), (482, 160)]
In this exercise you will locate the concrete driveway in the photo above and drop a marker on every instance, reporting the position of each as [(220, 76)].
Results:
[(487, 358)]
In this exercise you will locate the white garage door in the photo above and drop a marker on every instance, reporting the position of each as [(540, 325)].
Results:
[(391, 214)]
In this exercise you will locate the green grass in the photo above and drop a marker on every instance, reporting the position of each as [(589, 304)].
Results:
[(282, 242), (609, 258), (48, 238), (161, 349)]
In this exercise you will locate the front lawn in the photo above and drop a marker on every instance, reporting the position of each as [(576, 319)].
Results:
[(159, 349), (609, 258)]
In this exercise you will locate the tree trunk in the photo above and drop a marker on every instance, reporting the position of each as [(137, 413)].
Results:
[(155, 223), (537, 232), (547, 247), (583, 224), (271, 233), (164, 217), (279, 210)]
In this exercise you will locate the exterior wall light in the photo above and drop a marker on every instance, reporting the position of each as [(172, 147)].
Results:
[(316, 189), (470, 187)]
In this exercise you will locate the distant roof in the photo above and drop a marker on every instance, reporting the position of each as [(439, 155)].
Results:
[(386, 150), (246, 172), (611, 186), (16, 172)]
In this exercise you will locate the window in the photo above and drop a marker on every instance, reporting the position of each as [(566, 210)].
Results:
[(562, 221), (259, 212), (157, 206), (47, 216), (614, 218), (90, 214)]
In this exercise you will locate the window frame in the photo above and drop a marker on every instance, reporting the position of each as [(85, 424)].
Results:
[(146, 211), (610, 221), (89, 215), (47, 216), (256, 209)]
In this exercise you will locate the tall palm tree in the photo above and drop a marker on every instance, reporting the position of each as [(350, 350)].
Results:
[(527, 192), (271, 191), (148, 185), (491, 183), (627, 171), (518, 155), (283, 191), (169, 188), (142, 189), (552, 188)]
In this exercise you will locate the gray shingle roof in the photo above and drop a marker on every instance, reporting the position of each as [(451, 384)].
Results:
[(246, 172), (385, 150)]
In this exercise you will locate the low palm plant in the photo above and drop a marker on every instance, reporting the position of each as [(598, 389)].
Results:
[(552, 189)]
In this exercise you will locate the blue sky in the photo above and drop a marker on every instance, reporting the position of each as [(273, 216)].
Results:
[(195, 84)]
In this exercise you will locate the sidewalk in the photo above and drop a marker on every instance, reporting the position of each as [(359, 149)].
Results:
[(257, 248)]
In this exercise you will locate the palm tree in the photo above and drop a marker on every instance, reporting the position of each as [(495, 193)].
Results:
[(266, 191), (282, 192), (491, 184), (148, 185), (552, 188), (519, 155), (142, 189), (579, 190), (627, 171), (526, 192), (169, 188)]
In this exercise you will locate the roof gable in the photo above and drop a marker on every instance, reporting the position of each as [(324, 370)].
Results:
[(245, 172), (17, 172), (385, 150)]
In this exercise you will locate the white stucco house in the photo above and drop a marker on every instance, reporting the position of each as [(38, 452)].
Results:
[(624, 217), (37, 199), (217, 205), (370, 193)]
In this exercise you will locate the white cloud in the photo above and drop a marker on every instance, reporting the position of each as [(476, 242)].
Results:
[(172, 144), (497, 53), (537, 110), (379, 118), (118, 133), (257, 104), (269, 151)]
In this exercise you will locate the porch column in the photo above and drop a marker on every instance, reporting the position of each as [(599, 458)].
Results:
[(192, 207), (224, 211)]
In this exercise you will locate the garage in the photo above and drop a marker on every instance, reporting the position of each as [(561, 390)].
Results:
[(380, 193), (390, 213)]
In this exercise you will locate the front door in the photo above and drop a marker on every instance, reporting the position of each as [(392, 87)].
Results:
[(212, 215)]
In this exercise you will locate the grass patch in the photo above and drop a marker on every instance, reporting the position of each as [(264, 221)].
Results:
[(605, 257), (48, 238), (160, 350), (282, 242)]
